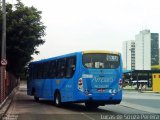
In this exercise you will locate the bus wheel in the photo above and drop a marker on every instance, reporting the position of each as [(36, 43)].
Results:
[(57, 99), (36, 98), (34, 94), (90, 105)]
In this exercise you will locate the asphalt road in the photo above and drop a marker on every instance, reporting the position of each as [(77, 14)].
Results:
[(149, 102), (23, 107)]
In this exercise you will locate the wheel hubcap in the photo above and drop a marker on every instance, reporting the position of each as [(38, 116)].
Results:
[(57, 100)]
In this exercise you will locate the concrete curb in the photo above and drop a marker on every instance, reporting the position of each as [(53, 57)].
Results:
[(150, 92), (140, 107), (7, 102), (128, 90)]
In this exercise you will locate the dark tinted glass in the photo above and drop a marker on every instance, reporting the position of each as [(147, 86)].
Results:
[(101, 61)]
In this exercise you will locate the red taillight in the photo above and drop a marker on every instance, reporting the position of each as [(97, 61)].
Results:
[(80, 84), (120, 81), (120, 84)]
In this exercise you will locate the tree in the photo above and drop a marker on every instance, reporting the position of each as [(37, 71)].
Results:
[(24, 34)]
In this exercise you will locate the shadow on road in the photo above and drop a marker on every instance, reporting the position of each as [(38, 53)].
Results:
[(25, 101), (77, 107)]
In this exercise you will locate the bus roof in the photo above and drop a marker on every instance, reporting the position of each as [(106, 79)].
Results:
[(100, 51), (71, 54), (56, 57)]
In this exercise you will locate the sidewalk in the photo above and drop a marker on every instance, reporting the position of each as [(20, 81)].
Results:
[(143, 91), (146, 91), (7, 102), (150, 92), (141, 107), (144, 101)]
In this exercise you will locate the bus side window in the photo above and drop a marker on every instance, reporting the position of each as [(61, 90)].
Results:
[(30, 72), (38, 70), (61, 68), (52, 69), (49, 70), (46, 69), (35, 71), (41, 75), (58, 69), (71, 64)]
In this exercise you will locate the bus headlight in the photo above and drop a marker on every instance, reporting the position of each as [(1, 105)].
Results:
[(114, 91), (110, 90)]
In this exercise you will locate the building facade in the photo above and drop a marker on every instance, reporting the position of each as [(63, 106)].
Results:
[(146, 50), (129, 55), (154, 49), (159, 56)]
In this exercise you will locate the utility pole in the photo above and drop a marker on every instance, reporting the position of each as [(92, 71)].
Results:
[(3, 53)]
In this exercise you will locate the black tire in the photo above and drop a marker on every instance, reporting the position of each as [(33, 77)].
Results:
[(36, 98), (57, 99)]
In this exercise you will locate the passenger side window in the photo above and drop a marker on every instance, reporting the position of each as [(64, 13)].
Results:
[(52, 69), (61, 68), (41, 70), (71, 66), (31, 73), (36, 71), (46, 70)]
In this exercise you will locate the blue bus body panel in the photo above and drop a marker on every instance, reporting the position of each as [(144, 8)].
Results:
[(98, 84), (95, 80), (93, 86)]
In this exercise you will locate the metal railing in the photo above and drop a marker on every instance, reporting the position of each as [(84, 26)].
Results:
[(9, 83)]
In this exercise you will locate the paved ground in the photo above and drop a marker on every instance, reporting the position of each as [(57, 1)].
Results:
[(149, 102), (23, 107)]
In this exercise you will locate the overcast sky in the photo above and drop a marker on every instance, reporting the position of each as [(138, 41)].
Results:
[(76, 25)]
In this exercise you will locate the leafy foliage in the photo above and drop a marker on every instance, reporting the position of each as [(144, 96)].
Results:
[(24, 34)]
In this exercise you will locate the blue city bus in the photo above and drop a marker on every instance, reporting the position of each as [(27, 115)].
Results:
[(93, 77)]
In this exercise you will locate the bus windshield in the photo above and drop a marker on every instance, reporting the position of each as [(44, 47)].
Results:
[(101, 60)]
